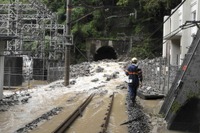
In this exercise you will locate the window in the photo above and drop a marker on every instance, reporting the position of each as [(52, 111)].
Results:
[(194, 15)]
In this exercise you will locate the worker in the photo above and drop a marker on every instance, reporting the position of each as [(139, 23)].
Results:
[(134, 78)]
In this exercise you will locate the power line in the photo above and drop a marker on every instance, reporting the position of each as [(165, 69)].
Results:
[(182, 27), (179, 29), (165, 20), (81, 53)]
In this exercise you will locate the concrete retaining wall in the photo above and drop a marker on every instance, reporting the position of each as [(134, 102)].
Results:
[(182, 104)]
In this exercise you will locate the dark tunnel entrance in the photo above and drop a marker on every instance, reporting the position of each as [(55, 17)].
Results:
[(105, 52)]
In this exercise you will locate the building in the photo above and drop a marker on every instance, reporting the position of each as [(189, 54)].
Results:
[(178, 32), (3, 40)]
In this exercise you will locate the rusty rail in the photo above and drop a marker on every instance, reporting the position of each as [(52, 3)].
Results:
[(63, 126), (105, 124)]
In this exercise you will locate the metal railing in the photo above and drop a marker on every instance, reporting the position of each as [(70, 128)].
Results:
[(158, 74)]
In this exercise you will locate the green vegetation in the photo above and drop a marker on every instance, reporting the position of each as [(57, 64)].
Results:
[(109, 18), (175, 106), (193, 94)]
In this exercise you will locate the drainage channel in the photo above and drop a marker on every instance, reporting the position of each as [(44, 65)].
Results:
[(63, 126)]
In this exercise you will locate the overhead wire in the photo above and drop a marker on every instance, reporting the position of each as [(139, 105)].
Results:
[(179, 29), (165, 20), (81, 53)]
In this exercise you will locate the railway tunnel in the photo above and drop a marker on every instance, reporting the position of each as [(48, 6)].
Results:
[(105, 52)]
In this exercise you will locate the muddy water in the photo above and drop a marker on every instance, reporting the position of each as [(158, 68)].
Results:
[(55, 95), (70, 102), (20, 115), (118, 114), (152, 107), (93, 116), (16, 117)]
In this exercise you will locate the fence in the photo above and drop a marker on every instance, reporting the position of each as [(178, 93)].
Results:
[(158, 74), (55, 73), (18, 77)]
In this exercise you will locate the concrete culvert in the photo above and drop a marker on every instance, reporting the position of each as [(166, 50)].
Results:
[(105, 52), (187, 117)]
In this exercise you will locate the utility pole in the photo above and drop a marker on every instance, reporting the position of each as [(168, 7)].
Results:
[(67, 46)]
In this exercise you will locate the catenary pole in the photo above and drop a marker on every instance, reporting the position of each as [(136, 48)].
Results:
[(67, 46)]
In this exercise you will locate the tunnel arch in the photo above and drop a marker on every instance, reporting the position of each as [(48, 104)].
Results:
[(105, 52)]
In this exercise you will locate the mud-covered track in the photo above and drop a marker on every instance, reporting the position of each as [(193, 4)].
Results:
[(63, 126), (78, 112), (106, 122)]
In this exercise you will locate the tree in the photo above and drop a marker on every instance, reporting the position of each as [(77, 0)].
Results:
[(104, 19)]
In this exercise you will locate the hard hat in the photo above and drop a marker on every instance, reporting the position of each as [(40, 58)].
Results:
[(134, 59)]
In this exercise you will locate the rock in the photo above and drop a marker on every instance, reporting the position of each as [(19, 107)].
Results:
[(121, 87), (32, 125), (99, 69), (72, 82), (95, 80)]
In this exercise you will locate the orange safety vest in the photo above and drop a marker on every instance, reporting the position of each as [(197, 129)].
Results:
[(134, 73)]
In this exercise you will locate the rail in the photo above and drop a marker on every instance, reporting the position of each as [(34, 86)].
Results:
[(105, 124), (63, 126)]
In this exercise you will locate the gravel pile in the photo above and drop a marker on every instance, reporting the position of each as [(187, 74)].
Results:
[(13, 100), (147, 90), (138, 121), (79, 70), (30, 126)]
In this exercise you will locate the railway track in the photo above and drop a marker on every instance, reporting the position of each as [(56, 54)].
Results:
[(107, 117), (97, 113), (63, 127)]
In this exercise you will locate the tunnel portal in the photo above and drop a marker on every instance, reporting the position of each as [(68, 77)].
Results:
[(105, 52)]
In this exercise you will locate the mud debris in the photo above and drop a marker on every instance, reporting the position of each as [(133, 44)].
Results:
[(14, 99), (30, 126)]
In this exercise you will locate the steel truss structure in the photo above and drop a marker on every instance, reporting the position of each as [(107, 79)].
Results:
[(32, 23)]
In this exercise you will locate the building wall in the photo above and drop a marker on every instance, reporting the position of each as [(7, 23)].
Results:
[(186, 94), (166, 31), (178, 44), (1, 68), (13, 71)]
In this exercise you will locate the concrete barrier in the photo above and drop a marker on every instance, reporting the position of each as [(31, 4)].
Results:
[(182, 105)]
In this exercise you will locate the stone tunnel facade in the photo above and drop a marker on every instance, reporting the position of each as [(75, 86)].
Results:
[(107, 49)]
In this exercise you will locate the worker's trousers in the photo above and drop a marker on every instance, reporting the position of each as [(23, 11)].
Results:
[(132, 92)]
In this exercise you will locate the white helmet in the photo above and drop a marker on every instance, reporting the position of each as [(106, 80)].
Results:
[(134, 60)]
